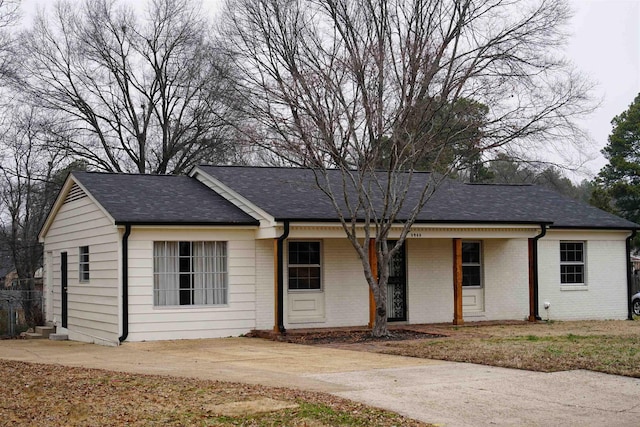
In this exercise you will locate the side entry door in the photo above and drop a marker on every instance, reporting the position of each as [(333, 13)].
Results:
[(63, 287)]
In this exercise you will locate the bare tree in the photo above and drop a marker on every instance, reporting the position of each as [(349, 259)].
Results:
[(27, 190), (9, 18), (330, 83), (27, 186), (145, 94)]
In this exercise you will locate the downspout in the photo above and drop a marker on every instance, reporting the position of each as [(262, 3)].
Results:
[(629, 274), (280, 249), (543, 231), (125, 283)]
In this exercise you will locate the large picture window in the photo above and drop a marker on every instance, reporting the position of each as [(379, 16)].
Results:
[(471, 264), (572, 263), (304, 265), (83, 263), (189, 273)]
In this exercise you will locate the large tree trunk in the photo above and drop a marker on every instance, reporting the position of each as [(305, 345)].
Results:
[(380, 328)]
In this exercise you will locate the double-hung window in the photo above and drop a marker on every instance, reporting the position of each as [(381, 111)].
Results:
[(189, 273), (572, 263), (304, 266), (83, 263), (471, 264)]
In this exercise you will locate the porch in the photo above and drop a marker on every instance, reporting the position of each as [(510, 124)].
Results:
[(485, 276)]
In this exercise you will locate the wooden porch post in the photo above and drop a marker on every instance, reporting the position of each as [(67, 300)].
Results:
[(373, 262), (457, 282), (532, 304)]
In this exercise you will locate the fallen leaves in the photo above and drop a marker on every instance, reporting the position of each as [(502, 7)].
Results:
[(52, 395)]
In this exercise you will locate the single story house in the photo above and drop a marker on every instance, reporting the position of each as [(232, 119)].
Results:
[(227, 250)]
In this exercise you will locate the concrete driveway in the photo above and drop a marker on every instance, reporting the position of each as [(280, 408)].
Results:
[(444, 393)]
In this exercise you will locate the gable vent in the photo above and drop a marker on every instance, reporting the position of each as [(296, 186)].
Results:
[(75, 193)]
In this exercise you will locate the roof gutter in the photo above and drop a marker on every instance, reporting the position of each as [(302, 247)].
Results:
[(534, 255), (280, 252), (125, 283), (629, 274), (400, 221)]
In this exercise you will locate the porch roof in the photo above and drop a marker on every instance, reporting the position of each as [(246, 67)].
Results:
[(292, 194)]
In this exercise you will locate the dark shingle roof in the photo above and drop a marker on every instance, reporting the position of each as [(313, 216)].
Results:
[(291, 193), (530, 202), (160, 199)]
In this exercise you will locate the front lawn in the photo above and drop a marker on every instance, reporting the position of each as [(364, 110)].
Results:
[(611, 347)]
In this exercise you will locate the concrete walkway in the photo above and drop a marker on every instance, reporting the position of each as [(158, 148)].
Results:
[(444, 393)]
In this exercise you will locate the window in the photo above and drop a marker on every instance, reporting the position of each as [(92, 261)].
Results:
[(189, 273), (83, 263), (572, 263), (471, 264), (304, 265)]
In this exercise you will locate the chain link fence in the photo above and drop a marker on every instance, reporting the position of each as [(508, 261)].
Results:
[(21, 307)]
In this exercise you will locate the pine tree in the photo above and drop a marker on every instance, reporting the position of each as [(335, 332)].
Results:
[(620, 179)]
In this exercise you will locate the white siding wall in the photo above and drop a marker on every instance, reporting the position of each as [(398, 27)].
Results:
[(605, 293), (147, 322), (265, 290), (506, 279), (92, 306)]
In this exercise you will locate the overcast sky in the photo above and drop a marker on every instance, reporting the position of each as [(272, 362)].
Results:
[(605, 46)]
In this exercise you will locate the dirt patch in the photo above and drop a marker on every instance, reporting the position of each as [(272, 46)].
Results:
[(352, 336)]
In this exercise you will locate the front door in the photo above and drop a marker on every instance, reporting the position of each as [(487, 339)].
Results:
[(397, 287), (63, 287)]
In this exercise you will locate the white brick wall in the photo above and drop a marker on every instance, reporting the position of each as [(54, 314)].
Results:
[(430, 280), (604, 296), (506, 279), (345, 294), (346, 289)]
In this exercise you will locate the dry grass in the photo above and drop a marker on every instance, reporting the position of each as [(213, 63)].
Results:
[(612, 347), (49, 395)]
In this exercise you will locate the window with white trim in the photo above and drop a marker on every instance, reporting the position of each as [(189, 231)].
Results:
[(572, 263), (83, 263), (471, 264), (304, 266), (190, 273)]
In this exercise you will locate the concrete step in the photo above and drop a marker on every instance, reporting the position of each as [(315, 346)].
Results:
[(59, 337), (45, 331), (33, 336)]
